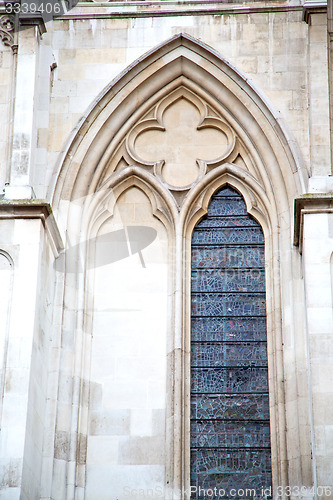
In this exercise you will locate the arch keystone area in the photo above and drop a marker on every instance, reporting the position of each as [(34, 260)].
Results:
[(86, 161)]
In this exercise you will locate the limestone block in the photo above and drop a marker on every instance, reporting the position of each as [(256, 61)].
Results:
[(79, 103), (10, 473), (68, 72), (63, 89), (317, 34), (141, 450), (322, 377), (64, 415), (144, 368), (90, 88), (125, 482), (61, 126), (65, 388), (4, 93), (7, 58), (119, 395), (117, 24), (102, 450), (10, 494), (156, 397), (319, 296), (320, 320), (299, 101), (329, 440), (319, 20), (158, 421), (12, 441), (59, 105), (142, 422), (42, 137), (317, 251), (59, 479), (109, 423), (324, 475), (105, 72), (295, 29), (103, 360)]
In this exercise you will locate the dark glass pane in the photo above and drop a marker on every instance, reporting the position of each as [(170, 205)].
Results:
[(211, 433), (230, 406), (227, 469), (230, 439), (227, 256), (227, 206), (228, 235), (227, 304), (228, 280), (231, 328), (235, 379), (222, 221), (229, 354)]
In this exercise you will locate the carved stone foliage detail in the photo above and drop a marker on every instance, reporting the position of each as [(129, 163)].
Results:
[(180, 140), (7, 26)]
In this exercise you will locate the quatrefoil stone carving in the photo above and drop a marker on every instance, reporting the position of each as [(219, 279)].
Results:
[(180, 140)]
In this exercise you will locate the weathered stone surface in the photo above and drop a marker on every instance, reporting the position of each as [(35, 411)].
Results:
[(95, 346)]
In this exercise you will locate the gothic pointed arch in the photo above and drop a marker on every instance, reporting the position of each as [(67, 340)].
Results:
[(127, 140), (182, 67)]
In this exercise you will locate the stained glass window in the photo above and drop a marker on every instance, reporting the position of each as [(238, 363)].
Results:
[(230, 434)]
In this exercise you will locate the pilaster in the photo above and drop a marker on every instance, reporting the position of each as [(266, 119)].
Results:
[(24, 347), (23, 139), (314, 235), (330, 68), (314, 13)]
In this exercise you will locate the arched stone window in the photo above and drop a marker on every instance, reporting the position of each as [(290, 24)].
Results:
[(230, 430), (131, 146)]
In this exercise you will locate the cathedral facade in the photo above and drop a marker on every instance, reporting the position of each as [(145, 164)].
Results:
[(166, 251)]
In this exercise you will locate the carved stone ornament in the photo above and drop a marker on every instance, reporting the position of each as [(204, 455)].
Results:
[(181, 139), (7, 26)]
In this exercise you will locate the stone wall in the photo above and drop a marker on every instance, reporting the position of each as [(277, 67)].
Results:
[(94, 346)]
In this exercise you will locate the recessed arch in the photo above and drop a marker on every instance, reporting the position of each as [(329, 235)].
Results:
[(181, 58), (219, 323), (256, 199), (162, 204), (269, 176), (260, 206)]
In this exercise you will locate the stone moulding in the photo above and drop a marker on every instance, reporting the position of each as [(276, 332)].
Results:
[(186, 58), (309, 204), (313, 7), (162, 203), (100, 159), (120, 10), (156, 123), (34, 209), (7, 30)]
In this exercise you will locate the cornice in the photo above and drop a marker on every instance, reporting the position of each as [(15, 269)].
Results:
[(317, 203), (34, 209), (314, 7), (133, 9)]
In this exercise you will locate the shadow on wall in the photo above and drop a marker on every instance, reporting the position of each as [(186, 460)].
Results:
[(110, 247)]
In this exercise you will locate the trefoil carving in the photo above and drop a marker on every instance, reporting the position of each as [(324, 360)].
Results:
[(7, 30)]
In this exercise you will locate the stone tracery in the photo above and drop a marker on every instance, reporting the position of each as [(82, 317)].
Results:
[(259, 164), (181, 141)]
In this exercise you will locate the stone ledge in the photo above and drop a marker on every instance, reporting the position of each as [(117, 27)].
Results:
[(321, 203), (34, 209), (114, 10), (313, 7)]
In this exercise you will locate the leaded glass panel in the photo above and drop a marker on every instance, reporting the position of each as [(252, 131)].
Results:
[(230, 436)]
